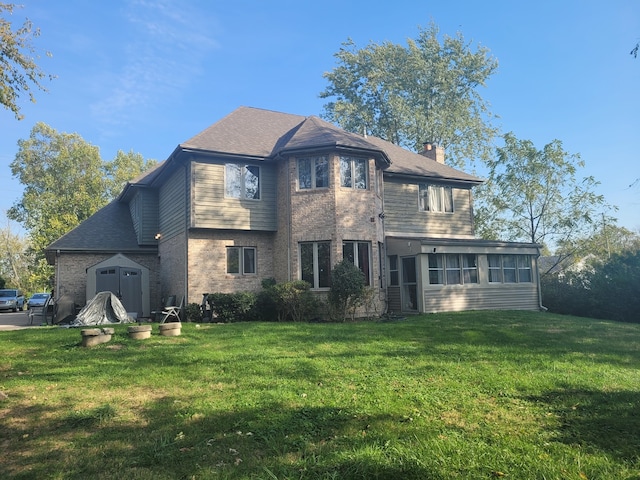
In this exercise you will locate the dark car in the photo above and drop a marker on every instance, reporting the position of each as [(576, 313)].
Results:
[(11, 299), (37, 300)]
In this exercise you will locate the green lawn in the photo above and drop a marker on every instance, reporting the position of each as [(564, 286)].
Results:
[(470, 395)]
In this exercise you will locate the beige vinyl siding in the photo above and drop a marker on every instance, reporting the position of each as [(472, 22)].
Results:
[(144, 213), (498, 297), (211, 209), (172, 205), (403, 217)]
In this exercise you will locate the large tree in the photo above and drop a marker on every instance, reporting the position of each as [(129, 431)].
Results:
[(19, 72), (15, 259), (65, 181), (427, 91), (538, 196)]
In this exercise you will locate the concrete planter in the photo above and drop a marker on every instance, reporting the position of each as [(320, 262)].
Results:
[(172, 329), (95, 336), (139, 332)]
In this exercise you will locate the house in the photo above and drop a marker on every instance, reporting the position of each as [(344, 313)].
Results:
[(263, 194)]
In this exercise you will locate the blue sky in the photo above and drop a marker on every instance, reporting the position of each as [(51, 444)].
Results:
[(146, 75)]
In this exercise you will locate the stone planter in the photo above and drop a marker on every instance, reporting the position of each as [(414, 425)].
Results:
[(171, 329), (139, 332), (95, 336)]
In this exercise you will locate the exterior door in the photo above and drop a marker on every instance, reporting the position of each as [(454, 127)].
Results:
[(123, 282), (409, 284)]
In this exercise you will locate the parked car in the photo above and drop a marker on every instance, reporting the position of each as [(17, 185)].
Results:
[(11, 299), (37, 300)]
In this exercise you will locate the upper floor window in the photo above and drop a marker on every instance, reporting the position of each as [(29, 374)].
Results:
[(509, 268), (313, 172), (452, 269), (241, 260), (242, 181), (315, 263), (353, 172), (435, 198), (358, 254)]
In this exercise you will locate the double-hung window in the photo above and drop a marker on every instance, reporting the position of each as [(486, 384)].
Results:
[(315, 263), (242, 181), (353, 172), (241, 260), (453, 269), (435, 198), (509, 268), (358, 253), (313, 172)]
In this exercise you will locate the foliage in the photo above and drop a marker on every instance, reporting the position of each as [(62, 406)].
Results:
[(193, 312), (15, 259), (294, 301), (470, 395), (232, 307), (19, 72), (605, 289), (535, 195), (347, 289), (3, 282), (426, 91), (65, 182)]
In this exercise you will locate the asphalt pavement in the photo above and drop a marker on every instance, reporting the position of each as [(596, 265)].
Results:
[(17, 321)]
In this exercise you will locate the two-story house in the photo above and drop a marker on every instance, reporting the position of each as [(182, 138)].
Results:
[(263, 194)]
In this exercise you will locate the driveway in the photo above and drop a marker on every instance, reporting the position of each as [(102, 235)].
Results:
[(16, 321)]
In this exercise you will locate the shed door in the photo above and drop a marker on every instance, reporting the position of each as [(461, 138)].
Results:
[(125, 283)]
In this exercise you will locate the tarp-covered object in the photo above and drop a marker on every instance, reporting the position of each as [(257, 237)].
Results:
[(102, 309)]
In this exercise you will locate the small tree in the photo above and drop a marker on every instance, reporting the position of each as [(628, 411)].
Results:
[(347, 289)]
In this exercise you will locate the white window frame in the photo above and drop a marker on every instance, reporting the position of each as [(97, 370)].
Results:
[(244, 174), (317, 277), (435, 198), (357, 246), (453, 269), (513, 272), (352, 162), (246, 265), (314, 163)]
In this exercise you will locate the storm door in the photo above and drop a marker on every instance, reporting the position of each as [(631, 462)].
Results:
[(409, 284), (125, 283)]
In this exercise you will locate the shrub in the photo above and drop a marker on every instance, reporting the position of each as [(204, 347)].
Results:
[(193, 313), (232, 307), (265, 308), (294, 301), (347, 290)]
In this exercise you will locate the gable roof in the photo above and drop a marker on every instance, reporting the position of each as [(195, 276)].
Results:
[(265, 134), (110, 229)]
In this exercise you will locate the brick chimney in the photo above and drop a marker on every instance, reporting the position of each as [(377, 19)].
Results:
[(433, 151)]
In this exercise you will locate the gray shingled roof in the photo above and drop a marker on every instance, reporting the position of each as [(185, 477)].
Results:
[(110, 229), (261, 133)]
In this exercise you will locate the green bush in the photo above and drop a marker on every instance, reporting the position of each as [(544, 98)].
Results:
[(294, 301), (606, 289), (232, 307), (193, 313), (347, 290), (265, 308)]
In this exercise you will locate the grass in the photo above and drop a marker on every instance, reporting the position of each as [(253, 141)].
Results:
[(474, 395)]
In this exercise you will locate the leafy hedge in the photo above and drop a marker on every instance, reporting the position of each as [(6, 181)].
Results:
[(606, 289)]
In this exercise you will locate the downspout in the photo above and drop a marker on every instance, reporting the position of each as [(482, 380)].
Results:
[(187, 212), (540, 306), (289, 220)]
